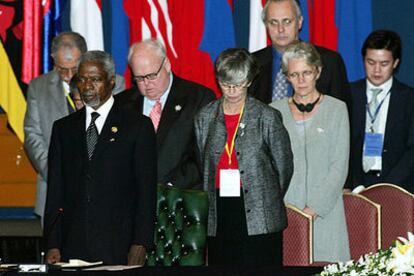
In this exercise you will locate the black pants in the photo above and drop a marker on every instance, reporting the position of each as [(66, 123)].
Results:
[(233, 246)]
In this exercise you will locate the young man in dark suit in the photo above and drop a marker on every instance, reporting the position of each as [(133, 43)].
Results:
[(382, 122), (283, 20), (171, 102), (101, 196)]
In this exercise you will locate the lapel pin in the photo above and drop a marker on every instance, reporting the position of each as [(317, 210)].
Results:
[(114, 129), (320, 130), (112, 139), (242, 126), (178, 107)]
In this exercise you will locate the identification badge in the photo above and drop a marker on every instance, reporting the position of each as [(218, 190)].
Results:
[(373, 144), (229, 183)]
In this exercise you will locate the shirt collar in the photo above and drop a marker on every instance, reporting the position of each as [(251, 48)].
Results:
[(164, 96), (66, 87), (103, 110), (386, 86)]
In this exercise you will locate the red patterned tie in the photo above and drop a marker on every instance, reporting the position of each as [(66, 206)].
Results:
[(155, 114)]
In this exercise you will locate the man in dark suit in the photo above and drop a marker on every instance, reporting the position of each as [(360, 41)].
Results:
[(48, 100), (101, 196), (283, 20), (382, 123), (171, 103)]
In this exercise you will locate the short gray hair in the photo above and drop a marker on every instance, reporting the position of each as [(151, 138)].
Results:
[(152, 44), (68, 40), (101, 57), (294, 2), (302, 50), (235, 66)]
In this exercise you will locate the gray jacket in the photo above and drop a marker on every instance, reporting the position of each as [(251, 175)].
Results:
[(265, 162), (321, 155)]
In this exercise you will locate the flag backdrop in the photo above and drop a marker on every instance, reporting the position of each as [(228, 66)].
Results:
[(194, 33), (11, 96)]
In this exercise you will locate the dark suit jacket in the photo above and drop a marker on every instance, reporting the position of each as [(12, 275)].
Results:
[(175, 136), (398, 150), (95, 210), (333, 80)]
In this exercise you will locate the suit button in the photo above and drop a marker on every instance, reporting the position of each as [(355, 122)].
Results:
[(384, 150), (241, 172), (246, 191), (238, 153), (248, 210), (378, 174)]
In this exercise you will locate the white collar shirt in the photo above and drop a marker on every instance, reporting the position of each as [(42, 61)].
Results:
[(384, 95), (149, 104), (103, 112)]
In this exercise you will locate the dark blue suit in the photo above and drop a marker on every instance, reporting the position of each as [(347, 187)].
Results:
[(398, 149)]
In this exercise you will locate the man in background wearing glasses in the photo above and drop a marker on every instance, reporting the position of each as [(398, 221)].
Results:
[(283, 20), (171, 103)]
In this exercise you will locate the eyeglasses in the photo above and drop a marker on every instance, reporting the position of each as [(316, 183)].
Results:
[(227, 86), (152, 76), (285, 22), (304, 74), (65, 71), (94, 80)]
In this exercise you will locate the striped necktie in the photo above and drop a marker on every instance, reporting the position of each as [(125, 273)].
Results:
[(92, 135), (155, 114)]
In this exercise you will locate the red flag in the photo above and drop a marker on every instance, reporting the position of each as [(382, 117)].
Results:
[(32, 24), (323, 28)]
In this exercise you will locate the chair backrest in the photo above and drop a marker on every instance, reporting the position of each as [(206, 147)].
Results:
[(298, 238), (181, 227), (363, 219), (397, 211)]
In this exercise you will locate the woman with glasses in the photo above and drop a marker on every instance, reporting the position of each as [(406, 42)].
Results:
[(318, 127), (246, 160)]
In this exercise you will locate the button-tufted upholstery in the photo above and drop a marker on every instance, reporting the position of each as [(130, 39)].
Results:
[(397, 211), (363, 219), (181, 227), (297, 238)]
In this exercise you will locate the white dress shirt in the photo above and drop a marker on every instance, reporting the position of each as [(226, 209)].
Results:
[(103, 111), (384, 95)]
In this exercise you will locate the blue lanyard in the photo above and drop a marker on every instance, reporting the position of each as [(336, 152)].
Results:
[(374, 116)]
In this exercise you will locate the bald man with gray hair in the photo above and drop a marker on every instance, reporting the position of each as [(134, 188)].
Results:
[(171, 102)]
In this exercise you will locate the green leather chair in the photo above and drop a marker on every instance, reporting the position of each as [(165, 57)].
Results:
[(181, 228)]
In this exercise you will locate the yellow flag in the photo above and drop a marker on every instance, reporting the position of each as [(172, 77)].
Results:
[(11, 96)]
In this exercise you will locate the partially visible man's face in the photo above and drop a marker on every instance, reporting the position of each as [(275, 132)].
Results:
[(379, 66), (76, 98), (94, 85), (145, 62), (66, 63), (282, 25)]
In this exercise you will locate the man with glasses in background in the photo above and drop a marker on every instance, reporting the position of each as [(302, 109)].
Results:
[(283, 20), (171, 103), (48, 100)]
